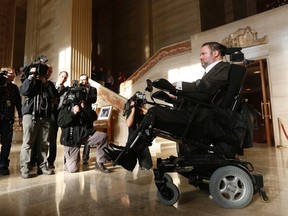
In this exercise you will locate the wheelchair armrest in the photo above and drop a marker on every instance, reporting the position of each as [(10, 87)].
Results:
[(164, 84)]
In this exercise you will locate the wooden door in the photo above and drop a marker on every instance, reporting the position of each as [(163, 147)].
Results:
[(256, 90)]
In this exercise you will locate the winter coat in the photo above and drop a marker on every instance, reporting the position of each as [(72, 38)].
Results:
[(75, 127)]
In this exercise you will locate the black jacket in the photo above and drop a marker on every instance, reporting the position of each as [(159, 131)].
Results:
[(38, 97), (75, 127)]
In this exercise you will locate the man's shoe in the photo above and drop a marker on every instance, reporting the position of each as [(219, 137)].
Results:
[(116, 147), (111, 153), (128, 162), (101, 167), (25, 174), (4, 171), (44, 171)]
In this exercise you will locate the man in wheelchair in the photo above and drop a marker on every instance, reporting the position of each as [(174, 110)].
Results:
[(178, 121)]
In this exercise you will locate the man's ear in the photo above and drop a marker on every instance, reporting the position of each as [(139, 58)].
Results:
[(216, 54)]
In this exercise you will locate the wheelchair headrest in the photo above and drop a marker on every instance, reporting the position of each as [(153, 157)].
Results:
[(236, 81)]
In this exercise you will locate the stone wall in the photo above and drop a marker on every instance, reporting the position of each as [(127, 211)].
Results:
[(183, 66)]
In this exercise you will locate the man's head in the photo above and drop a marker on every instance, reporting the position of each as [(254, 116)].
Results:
[(10, 73), (211, 52), (62, 77), (83, 80)]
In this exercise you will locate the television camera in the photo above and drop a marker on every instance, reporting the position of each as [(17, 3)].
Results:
[(73, 96), (139, 99), (37, 67)]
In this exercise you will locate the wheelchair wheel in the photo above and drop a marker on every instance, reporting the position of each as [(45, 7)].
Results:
[(168, 177), (169, 195), (231, 187)]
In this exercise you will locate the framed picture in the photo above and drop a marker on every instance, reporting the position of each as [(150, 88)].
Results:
[(105, 113)]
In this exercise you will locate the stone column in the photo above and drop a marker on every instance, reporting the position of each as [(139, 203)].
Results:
[(62, 31), (81, 43)]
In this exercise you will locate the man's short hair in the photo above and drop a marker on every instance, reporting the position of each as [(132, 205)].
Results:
[(87, 77), (215, 46), (63, 72)]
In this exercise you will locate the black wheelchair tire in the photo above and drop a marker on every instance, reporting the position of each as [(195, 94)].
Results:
[(172, 197), (231, 187)]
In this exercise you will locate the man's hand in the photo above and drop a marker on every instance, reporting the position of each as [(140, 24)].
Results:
[(132, 104), (76, 109), (82, 104), (42, 78)]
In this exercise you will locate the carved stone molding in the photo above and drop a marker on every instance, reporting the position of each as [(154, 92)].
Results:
[(244, 37)]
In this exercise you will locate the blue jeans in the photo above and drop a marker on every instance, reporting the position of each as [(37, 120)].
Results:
[(6, 133)]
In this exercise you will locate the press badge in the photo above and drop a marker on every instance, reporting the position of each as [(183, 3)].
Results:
[(8, 103)]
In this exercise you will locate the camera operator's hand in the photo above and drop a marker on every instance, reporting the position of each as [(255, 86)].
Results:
[(32, 70), (132, 103), (76, 109), (32, 73), (42, 78), (143, 109), (82, 104)]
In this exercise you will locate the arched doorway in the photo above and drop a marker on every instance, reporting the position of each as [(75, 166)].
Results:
[(257, 92)]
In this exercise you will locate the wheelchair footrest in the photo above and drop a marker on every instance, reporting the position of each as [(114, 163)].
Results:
[(259, 185)]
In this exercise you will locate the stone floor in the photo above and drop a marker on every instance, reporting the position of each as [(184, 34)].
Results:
[(121, 192)]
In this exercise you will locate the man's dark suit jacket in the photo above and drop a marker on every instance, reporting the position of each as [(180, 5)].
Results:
[(218, 74), (210, 83)]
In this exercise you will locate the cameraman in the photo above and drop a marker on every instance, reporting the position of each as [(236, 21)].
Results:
[(9, 99), (135, 115), (76, 121), (40, 94)]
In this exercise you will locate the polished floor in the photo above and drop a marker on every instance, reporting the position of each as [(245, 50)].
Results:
[(121, 192)]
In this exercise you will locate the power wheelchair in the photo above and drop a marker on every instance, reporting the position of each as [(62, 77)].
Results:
[(209, 146)]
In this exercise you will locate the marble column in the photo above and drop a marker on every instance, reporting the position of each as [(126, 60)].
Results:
[(61, 30)]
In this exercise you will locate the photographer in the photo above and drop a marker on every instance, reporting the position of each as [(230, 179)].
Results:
[(91, 97), (40, 94), (9, 100), (76, 121), (134, 116), (59, 85)]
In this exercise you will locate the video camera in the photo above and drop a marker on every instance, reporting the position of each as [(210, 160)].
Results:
[(3, 78), (41, 68), (73, 96), (139, 99)]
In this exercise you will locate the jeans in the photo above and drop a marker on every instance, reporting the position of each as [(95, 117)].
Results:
[(34, 134)]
